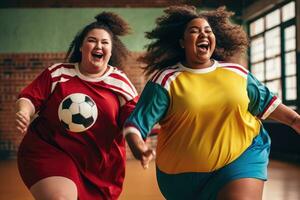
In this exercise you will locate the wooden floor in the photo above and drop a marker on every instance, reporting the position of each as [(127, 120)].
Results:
[(283, 183)]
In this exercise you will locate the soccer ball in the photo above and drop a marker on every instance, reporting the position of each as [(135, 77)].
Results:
[(77, 112)]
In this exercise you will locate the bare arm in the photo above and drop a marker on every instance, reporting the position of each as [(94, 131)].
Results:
[(139, 149), (286, 116), (24, 111)]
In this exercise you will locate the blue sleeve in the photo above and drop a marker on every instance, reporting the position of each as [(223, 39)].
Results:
[(151, 107), (259, 95)]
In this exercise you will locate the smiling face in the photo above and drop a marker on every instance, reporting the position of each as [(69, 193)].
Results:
[(199, 43), (96, 51)]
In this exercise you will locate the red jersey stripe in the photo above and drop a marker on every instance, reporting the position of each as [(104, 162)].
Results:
[(237, 67), (165, 79), (122, 78), (62, 65), (57, 78), (120, 91), (269, 105)]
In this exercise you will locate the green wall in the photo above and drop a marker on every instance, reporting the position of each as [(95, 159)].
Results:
[(52, 29)]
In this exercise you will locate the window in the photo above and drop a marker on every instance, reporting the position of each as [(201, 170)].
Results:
[(273, 51)]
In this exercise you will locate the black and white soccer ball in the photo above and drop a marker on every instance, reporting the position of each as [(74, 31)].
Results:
[(77, 112)]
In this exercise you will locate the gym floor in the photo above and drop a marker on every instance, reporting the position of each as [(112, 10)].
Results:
[(140, 184)]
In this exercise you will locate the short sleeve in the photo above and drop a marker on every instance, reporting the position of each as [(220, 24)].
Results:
[(150, 109), (262, 101), (38, 90), (126, 110)]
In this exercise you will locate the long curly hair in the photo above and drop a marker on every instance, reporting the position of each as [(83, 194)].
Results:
[(115, 26), (165, 50)]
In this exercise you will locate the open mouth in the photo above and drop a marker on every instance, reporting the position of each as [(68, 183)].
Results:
[(97, 55), (203, 46)]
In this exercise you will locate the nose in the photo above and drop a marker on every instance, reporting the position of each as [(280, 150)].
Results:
[(202, 33), (98, 45)]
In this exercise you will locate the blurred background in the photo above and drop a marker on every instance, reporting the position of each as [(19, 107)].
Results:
[(35, 34)]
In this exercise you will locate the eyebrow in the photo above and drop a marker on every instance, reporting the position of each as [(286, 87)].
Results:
[(92, 37), (199, 27)]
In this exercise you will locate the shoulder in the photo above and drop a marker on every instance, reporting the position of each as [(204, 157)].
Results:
[(62, 69), (58, 66), (166, 76), (118, 74), (234, 67), (118, 81)]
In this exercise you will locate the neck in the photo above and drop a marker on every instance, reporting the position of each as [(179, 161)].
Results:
[(93, 74), (197, 65)]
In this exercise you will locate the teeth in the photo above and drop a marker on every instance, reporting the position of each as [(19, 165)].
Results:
[(202, 44)]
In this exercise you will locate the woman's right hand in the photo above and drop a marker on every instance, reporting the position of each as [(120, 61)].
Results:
[(146, 157), (139, 149), (22, 121)]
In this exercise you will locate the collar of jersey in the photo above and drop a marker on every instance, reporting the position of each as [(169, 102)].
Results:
[(199, 71), (86, 78)]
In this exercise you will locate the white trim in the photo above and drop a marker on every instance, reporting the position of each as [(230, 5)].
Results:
[(55, 65), (170, 79), (29, 101), (122, 85), (200, 71), (237, 71), (164, 74), (122, 74), (133, 130), (96, 79), (63, 71), (271, 108), (234, 64), (60, 81)]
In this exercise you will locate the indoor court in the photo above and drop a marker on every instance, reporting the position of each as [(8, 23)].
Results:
[(140, 184), (37, 34)]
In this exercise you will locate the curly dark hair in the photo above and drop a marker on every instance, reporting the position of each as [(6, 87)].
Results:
[(115, 26), (165, 50)]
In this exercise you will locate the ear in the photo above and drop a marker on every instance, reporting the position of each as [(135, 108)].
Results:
[(80, 49), (181, 43)]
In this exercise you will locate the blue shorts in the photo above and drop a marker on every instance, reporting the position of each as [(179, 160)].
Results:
[(205, 186)]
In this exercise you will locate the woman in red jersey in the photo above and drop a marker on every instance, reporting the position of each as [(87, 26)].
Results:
[(60, 159)]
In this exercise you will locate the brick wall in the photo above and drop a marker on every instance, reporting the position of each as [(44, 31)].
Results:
[(17, 71)]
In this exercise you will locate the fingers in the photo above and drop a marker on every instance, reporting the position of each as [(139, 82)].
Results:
[(147, 157), (22, 122)]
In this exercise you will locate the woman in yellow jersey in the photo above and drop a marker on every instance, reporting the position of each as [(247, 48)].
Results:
[(212, 144)]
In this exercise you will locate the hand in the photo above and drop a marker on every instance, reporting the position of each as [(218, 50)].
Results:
[(146, 157), (22, 121), (139, 149)]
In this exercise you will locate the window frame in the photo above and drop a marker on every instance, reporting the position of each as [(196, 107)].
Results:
[(295, 103)]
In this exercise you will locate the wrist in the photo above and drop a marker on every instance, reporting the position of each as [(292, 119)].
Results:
[(136, 144)]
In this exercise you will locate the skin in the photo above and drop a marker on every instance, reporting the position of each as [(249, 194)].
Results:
[(96, 51), (197, 33)]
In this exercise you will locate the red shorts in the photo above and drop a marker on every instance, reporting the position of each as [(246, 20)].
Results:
[(37, 159)]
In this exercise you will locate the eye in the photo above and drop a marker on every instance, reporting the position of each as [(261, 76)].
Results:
[(208, 31), (91, 40), (194, 30)]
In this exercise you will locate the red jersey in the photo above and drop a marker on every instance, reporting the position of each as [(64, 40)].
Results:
[(93, 159)]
